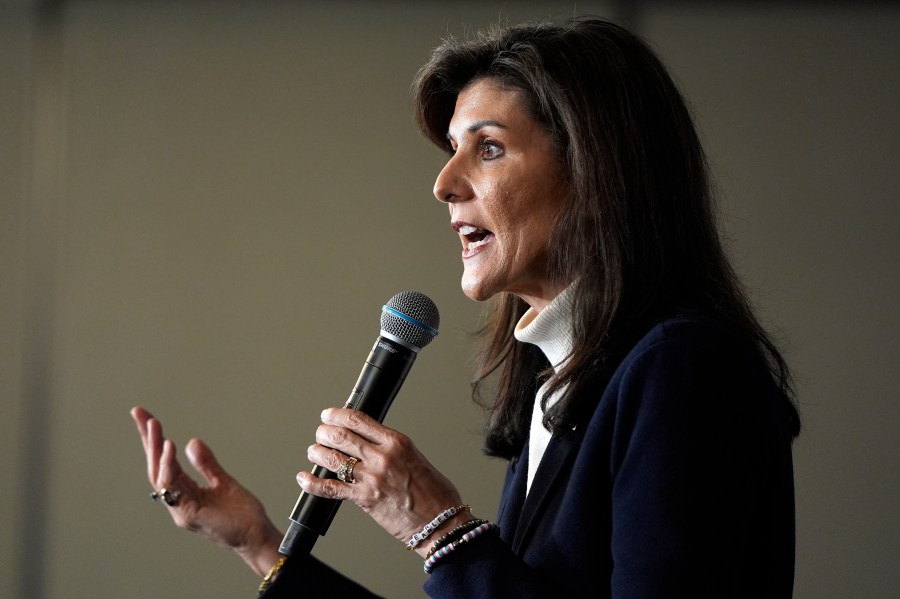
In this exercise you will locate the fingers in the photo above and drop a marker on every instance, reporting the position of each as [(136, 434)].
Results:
[(325, 487), (345, 441), (169, 468), (395, 483), (348, 433), (330, 459), (353, 433), (363, 425), (164, 471), (163, 467), (154, 442), (344, 433), (154, 449), (140, 417), (204, 461)]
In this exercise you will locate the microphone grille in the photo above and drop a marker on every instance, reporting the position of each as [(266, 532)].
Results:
[(411, 317)]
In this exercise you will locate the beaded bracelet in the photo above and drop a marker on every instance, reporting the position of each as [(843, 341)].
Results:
[(446, 550), (454, 535), (431, 526)]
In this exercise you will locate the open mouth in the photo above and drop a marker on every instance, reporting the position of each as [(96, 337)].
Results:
[(475, 237)]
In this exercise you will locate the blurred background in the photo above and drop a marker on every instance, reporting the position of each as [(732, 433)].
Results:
[(203, 206)]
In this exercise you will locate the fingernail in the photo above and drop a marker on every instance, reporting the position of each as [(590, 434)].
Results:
[(325, 414), (301, 480)]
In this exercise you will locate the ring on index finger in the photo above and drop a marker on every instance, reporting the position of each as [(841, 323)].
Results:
[(345, 470)]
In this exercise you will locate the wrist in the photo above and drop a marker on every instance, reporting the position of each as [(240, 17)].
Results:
[(261, 554), (451, 523)]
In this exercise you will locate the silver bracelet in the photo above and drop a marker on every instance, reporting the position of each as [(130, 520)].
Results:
[(431, 526)]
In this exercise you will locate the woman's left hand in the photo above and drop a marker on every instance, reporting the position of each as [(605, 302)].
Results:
[(393, 482)]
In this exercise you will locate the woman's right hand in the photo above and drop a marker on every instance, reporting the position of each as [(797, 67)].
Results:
[(222, 510)]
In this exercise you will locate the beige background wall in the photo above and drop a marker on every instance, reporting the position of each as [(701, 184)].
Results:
[(204, 205)]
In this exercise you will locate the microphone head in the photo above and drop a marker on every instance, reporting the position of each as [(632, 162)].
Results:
[(412, 318)]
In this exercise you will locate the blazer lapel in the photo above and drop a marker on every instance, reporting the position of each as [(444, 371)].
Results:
[(551, 474), (513, 496)]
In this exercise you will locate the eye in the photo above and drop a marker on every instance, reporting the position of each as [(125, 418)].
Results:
[(489, 150)]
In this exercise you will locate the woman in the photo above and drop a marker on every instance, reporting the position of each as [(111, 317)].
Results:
[(646, 415)]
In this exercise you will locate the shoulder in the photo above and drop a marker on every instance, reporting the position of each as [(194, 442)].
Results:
[(686, 378), (689, 330), (686, 346), (685, 357), (691, 375), (691, 368)]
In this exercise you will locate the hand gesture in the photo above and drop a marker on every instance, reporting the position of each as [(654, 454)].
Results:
[(221, 510)]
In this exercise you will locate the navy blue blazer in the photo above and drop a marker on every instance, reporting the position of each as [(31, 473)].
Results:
[(680, 485)]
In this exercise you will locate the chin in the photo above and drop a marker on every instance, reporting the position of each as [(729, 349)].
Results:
[(475, 291)]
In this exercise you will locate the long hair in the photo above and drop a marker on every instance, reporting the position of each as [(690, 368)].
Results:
[(637, 229)]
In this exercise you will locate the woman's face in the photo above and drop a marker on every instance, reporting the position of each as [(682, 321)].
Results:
[(504, 187)]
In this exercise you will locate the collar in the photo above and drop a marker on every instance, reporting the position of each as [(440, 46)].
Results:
[(550, 329)]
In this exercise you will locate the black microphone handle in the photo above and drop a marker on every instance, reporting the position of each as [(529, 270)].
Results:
[(379, 381)]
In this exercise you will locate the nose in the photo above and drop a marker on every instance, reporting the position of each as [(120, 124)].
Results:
[(450, 185)]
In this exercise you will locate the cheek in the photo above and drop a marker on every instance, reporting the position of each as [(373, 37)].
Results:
[(504, 204), (488, 188), (530, 217)]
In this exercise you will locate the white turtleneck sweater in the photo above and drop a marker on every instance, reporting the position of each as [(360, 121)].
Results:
[(550, 330)]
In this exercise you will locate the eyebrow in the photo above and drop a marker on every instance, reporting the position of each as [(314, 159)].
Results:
[(480, 125)]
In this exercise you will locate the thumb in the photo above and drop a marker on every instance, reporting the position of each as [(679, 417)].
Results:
[(204, 461)]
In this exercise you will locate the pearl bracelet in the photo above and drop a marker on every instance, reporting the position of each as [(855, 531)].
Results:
[(431, 526)]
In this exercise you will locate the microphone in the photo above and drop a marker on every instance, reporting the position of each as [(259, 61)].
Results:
[(409, 322)]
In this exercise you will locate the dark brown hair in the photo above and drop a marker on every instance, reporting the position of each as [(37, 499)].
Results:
[(638, 228)]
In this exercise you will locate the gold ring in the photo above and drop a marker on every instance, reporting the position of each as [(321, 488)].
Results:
[(345, 471)]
